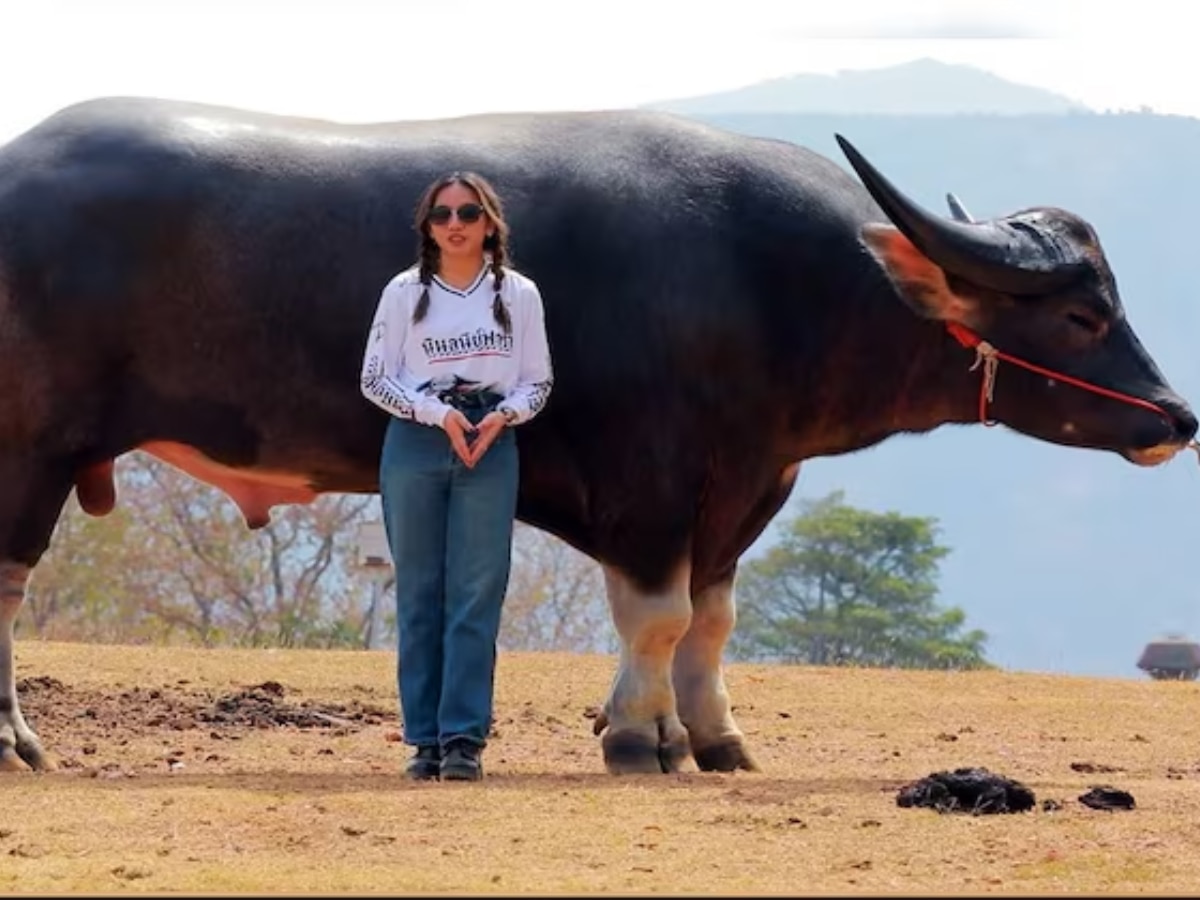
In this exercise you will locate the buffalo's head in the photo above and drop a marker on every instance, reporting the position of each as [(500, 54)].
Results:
[(1036, 286)]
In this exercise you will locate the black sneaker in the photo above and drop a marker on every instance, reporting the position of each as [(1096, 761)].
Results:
[(423, 765), (461, 762)]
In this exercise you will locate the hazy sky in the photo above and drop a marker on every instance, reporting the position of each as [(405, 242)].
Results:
[(361, 60)]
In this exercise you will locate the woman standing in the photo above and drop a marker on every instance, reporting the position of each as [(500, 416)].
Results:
[(458, 355)]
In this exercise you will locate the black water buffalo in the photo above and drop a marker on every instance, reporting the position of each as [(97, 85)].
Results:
[(198, 282)]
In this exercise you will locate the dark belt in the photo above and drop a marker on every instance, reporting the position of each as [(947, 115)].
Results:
[(471, 400)]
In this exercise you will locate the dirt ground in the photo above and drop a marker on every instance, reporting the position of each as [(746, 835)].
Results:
[(268, 771)]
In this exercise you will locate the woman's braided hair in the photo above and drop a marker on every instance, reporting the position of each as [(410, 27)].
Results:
[(495, 244)]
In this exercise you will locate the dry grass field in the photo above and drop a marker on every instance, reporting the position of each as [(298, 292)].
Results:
[(219, 771)]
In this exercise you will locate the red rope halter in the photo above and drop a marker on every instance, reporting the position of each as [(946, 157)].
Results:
[(990, 358)]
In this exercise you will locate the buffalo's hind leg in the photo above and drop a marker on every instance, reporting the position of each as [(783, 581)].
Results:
[(717, 742), (31, 498), (19, 747)]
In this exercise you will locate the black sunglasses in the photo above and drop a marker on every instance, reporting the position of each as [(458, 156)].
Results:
[(468, 214)]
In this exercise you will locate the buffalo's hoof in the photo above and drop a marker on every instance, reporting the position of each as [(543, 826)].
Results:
[(727, 755), (646, 752), (21, 756), (10, 761)]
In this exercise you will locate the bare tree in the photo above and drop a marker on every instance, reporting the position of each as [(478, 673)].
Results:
[(556, 598), (79, 591), (177, 563), (174, 562)]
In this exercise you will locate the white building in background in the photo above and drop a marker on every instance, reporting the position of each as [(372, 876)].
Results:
[(373, 559)]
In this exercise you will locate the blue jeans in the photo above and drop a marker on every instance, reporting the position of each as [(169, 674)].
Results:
[(450, 532)]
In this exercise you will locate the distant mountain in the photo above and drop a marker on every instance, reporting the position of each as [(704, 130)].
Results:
[(923, 87)]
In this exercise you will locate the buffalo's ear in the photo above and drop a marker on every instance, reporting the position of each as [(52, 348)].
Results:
[(919, 280)]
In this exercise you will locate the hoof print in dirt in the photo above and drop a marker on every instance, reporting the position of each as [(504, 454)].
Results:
[(968, 790), (1092, 768), (1107, 798)]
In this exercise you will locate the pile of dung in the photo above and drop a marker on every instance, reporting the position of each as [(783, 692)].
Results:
[(968, 790)]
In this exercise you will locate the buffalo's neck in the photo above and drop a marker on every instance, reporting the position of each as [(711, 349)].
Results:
[(893, 374)]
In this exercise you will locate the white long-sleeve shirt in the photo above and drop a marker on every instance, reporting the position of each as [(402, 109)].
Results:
[(457, 347)]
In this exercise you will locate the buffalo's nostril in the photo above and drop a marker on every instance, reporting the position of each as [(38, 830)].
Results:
[(1184, 420)]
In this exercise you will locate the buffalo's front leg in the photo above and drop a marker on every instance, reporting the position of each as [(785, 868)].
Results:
[(717, 742), (644, 733), (19, 747)]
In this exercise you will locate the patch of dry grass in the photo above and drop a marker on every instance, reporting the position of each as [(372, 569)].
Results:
[(154, 803)]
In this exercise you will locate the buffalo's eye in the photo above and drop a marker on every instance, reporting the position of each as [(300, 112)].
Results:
[(1088, 322)]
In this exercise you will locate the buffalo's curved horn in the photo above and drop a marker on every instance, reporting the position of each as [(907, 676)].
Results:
[(957, 210), (1017, 258)]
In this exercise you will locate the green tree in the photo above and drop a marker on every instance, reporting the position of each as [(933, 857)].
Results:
[(846, 586)]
